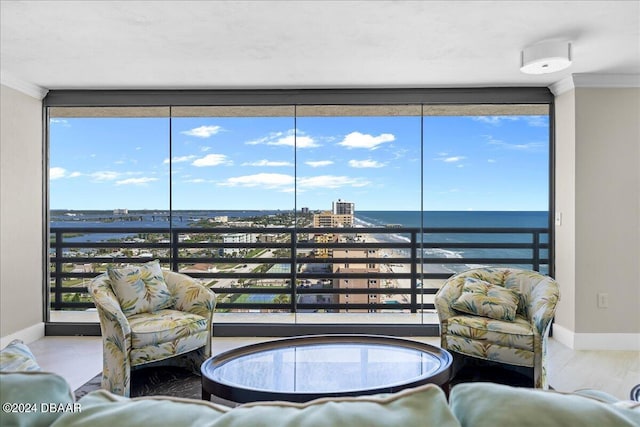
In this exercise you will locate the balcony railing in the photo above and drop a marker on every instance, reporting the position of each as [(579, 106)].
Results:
[(294, 269)]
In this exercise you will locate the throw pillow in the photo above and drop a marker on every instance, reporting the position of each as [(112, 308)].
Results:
[(484, 299), (476, 404), (424, 406), (140, 289), (16, 357), (34, 398)]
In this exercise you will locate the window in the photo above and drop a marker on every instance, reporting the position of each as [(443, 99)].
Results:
[(256, 200)]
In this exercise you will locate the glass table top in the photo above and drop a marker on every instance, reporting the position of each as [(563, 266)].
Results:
[(327, 365)]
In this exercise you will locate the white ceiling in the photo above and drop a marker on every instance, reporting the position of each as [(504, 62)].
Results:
[(306, 44)]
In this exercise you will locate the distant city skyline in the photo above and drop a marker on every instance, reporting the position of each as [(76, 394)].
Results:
[(469, 163)]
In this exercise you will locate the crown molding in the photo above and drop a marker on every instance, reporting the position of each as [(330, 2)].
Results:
[(588, 80), (562, 86), (606, 80), (27, 88)]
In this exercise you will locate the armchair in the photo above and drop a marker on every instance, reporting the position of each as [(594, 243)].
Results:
[(520, 342), (178, 335)]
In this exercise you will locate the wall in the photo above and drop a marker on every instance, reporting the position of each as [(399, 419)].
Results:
[(601, 217), (21, 260), (565, 205)]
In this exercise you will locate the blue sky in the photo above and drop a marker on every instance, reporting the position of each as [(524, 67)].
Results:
[(470, 163)]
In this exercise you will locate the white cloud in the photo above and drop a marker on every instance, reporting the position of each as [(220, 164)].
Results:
[(179, 159), (361, 140), (534, 121), (203, 131), (57, 173), (453, 159), (268, 163), (74, 174), (62, 122), (288, 139), (284, 182), (267, 180), (319, 163), (537, 121), (205, 148), (366, 164), (528, 146), (195, 181), (331, 181), (136, 181), (494, 120), (212, 160), (491, 161), (105, 175)]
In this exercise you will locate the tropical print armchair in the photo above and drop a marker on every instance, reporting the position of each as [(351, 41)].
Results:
[(521, 341), (178, 335)]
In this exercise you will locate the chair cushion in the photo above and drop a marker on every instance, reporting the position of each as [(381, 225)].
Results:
[(164, 326), (484, 299), (140, 289), (517, 334), (17, 357)]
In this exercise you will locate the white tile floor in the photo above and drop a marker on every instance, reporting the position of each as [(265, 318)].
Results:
[(79, 359)]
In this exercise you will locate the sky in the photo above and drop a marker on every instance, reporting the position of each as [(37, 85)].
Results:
[(227, 163)]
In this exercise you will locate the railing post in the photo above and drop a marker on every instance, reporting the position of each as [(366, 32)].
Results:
[(57, 305), (174, 250), (536, 251), (414, 272), (294, 270)]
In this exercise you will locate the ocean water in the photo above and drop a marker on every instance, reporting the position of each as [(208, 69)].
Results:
[(462, 219), (412, 219)]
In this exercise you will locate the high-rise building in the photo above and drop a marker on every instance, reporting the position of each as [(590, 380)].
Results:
[(359, 283), (341, 207), (329, 219)]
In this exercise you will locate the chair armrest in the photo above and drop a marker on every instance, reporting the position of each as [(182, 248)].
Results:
[(447, 295), (542, 305), (107, 304), (190, 296)]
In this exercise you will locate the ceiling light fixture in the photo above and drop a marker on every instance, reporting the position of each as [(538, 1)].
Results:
[(545, 57)]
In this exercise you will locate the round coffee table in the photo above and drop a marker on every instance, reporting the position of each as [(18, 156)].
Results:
[(304, 368)]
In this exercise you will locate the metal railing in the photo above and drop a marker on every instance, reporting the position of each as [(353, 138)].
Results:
[(291, 269)]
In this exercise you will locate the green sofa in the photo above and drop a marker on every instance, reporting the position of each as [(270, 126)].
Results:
[(36, 398)]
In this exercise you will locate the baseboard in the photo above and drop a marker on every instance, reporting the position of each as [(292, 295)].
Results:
[(599, 341), (27, 335)]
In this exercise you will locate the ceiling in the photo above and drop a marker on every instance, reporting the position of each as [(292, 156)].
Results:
[(306, 44)]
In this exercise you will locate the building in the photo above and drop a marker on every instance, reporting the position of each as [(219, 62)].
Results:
[(236, 238), (329, 219), (340, 207), (371, 266)]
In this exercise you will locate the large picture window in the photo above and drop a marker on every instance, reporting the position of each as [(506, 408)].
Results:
[(297, 214)]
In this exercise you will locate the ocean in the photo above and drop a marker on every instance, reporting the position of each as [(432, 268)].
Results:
[(413, 219)]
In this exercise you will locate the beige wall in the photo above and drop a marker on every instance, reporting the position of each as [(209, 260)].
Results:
[(598, 193), (565, 205), (20, 212)]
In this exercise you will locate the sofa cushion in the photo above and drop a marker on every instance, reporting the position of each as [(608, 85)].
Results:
[(164, 326), (140, 289), (484, 299), (422, 406), (34, 398), (487, 404), (16, 356)]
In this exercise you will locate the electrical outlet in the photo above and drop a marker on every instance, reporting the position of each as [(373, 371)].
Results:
[(603, 300)]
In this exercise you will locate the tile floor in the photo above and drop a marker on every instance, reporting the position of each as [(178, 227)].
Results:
[(79, 359)]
